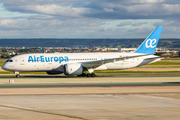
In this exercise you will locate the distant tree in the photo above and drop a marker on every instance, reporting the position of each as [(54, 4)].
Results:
[(3, 56), (158, 53), (8, 56), (4, 50)]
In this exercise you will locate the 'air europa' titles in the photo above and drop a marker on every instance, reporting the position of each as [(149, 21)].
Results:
[(42, 58)]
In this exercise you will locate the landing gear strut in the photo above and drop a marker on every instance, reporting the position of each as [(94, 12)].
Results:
[(17, 74), (90, 74)]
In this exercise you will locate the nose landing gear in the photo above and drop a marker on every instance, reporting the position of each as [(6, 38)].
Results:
[(17, 74)]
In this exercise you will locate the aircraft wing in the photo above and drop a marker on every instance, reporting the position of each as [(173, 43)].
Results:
[(94, 64), (155, 57)]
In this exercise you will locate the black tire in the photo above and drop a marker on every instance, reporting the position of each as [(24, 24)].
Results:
[(17, 75), (93, 75), (84, 74), (88, 75)]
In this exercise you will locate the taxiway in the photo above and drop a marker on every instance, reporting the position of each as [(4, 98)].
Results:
[(104, 98)]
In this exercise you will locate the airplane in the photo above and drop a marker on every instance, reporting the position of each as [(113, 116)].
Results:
[(77, 63)]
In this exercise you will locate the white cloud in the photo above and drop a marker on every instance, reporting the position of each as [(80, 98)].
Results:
[(169, 8), (56, 10), (150, 1), (94, 18), (122, 24), (6, 22), (108, 10)]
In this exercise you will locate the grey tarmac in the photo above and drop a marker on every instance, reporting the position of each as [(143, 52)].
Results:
[(90, 103)]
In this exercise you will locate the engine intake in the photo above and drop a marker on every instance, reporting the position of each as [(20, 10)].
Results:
[(73, 69)]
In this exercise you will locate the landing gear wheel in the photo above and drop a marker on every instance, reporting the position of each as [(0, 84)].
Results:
[(93, 75), (84, 74), (17, 75), (88, 75)]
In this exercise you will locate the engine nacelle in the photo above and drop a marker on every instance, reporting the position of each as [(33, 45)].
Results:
[(53, 72), (73, 69)]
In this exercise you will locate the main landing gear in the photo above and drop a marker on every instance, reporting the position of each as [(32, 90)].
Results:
[(87, 75), (91, 75)]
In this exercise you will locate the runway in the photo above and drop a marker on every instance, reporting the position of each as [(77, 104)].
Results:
[(38, 82), (45, 85), (156, 74), (101, 98)]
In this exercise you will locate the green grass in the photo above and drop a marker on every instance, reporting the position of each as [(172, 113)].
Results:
[(8, 72), (137, 71), (165, 63), (171, 59), (1, 63)]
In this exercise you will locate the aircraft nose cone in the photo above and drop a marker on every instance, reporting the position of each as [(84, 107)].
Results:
[(4, 66)]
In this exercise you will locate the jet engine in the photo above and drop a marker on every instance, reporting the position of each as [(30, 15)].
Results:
[(73, 69)]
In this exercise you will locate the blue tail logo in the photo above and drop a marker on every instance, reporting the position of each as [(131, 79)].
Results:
[(150, 43)]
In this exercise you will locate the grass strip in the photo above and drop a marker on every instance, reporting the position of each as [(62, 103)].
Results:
[(165, 63), (8, 72), (137, 71), (65, 77), (86, 83)]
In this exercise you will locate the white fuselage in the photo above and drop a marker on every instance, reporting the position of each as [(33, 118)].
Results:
[(55, 61), (77, 63)]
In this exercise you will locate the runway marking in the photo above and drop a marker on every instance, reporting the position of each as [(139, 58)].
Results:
[(154, 97), (75, 117)]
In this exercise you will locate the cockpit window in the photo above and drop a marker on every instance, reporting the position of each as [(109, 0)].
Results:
[(9, 61)]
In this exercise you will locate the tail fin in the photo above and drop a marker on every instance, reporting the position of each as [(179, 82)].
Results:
[(150, 43)]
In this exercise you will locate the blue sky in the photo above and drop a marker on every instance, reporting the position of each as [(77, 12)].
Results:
[(88, 18)]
